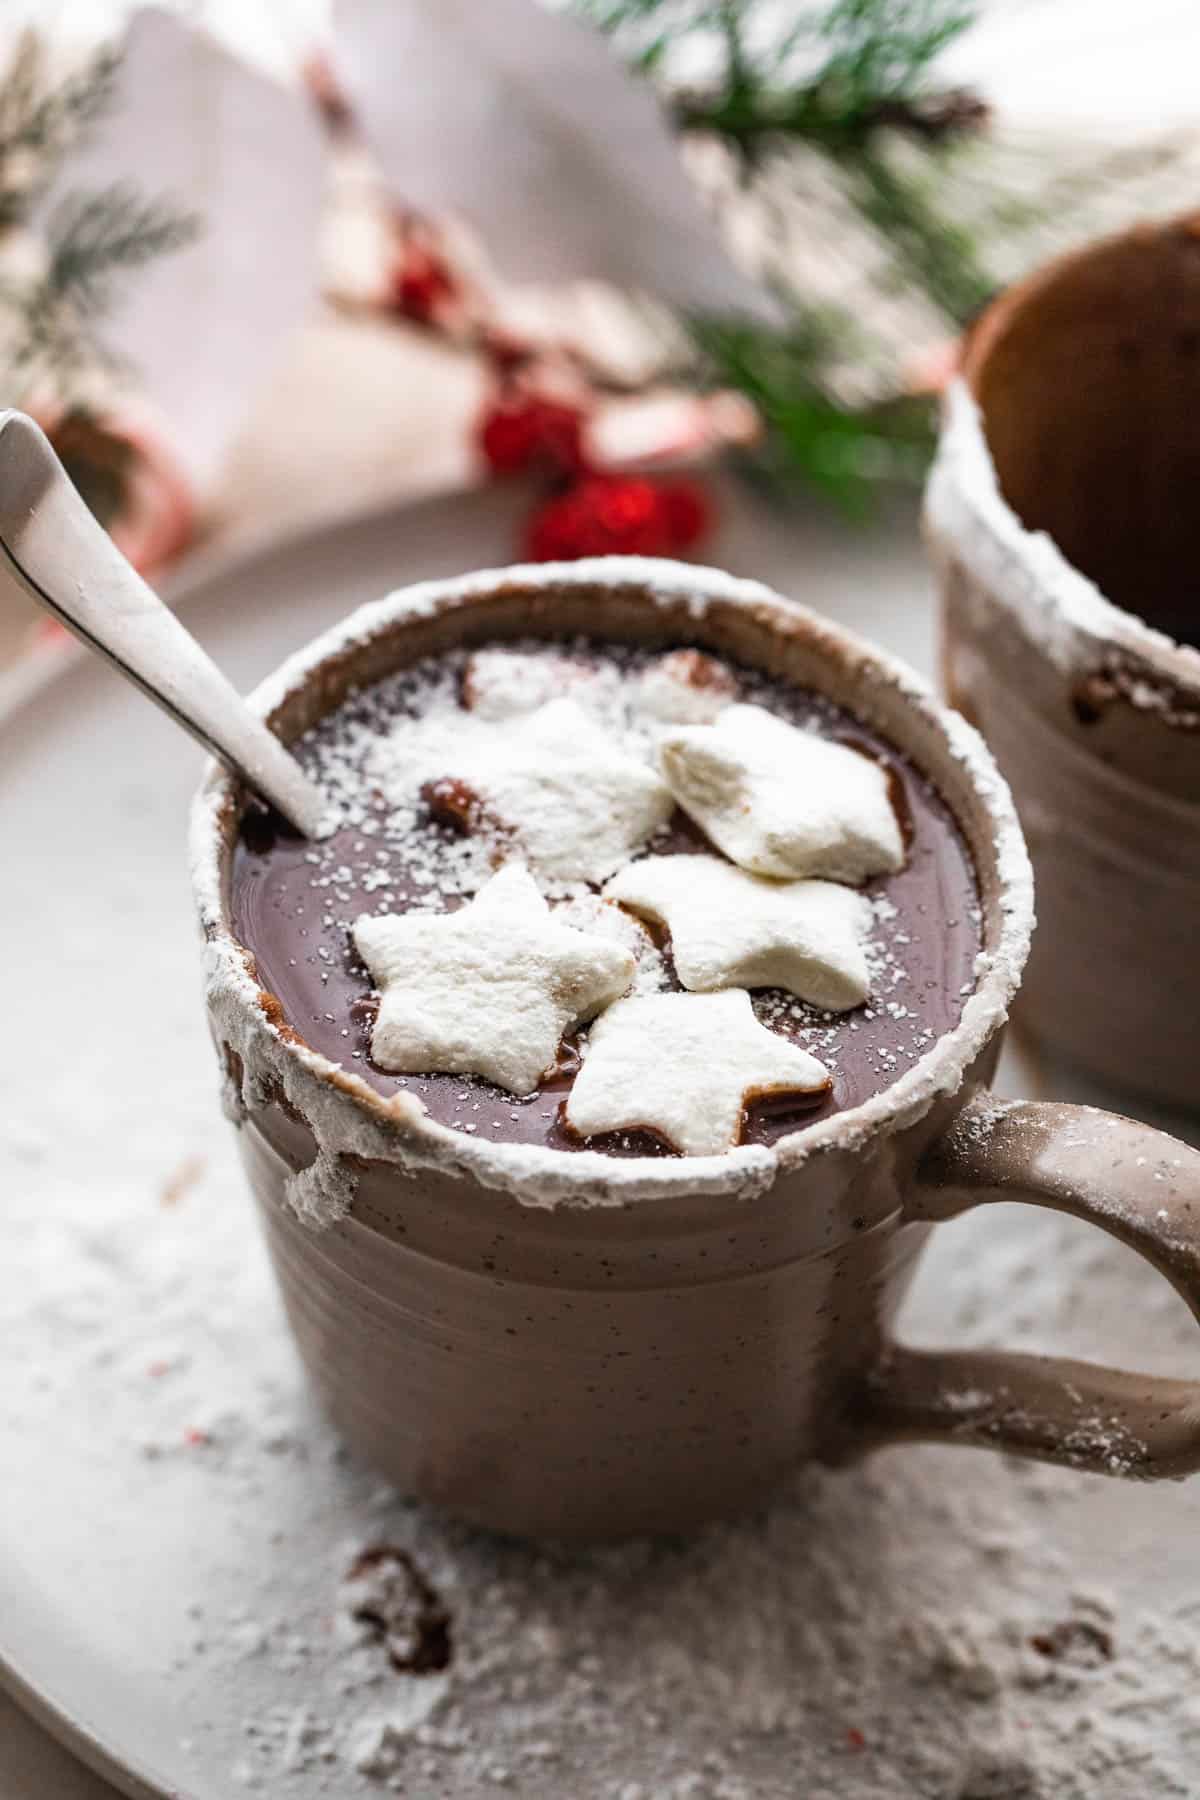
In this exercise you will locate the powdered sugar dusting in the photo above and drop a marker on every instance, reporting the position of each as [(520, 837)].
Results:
[(351, 1119), (505, 684), (869, 1634), (321, 1193), (685, 687), (552, 783), (937, 1623)]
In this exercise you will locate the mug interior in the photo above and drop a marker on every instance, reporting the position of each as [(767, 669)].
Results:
[(1087, 377)]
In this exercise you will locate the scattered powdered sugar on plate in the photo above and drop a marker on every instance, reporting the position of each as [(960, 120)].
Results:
[(934, 1625), (177, 1521)]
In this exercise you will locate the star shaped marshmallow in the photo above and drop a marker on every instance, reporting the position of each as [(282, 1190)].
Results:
[(685, 1066), (729, 929), (685, 687), (781, 801), (574, 799), (488, 990), (503, 683)]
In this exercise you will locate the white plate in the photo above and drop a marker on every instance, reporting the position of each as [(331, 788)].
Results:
[(174, 1518)]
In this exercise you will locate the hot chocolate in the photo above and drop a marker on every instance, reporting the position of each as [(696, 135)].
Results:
[(854, 931), (546, 1339)]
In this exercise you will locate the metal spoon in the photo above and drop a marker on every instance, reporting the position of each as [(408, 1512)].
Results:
[(68, 563)]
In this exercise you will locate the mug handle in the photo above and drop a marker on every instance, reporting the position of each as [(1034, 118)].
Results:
[(1136, 1183)]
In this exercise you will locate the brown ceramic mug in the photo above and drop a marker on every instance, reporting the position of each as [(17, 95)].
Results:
[(587, 1346), (1062, 517)]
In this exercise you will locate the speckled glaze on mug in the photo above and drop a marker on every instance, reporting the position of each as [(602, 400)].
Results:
[(583, 1346), (1061, 515)]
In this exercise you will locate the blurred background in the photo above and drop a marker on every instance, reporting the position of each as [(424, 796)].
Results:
[(264, 267)]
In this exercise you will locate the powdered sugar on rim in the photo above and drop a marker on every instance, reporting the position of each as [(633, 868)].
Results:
[(1057, 607), (349, 1119)]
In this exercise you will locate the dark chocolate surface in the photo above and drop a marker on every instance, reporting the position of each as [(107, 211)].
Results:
[(293, 906)]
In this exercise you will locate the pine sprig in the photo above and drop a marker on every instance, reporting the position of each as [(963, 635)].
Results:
[(880, 53), (42, 118), (63, 264), (845, 80), (936, 254), (846, 455), (91, 241), (96, 237), (832, 78)]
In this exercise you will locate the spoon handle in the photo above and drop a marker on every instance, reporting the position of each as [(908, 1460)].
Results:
[(66, 561)]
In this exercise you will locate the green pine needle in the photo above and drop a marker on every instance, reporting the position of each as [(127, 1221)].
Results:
[(832, 77), (96, 237), (843, 80), (846, 454), (41, 119), (881, 51), (93, 240)]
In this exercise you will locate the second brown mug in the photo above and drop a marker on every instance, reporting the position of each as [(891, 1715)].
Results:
[(1062, 518)]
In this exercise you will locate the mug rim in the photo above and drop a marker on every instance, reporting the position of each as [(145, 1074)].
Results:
[(350, 1119), (1059, 608)]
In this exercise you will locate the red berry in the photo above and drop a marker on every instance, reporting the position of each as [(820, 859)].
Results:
[(616, 515), (689, 512), (507, 436), (602, 515), (420, 284), (519, 433), (559, 433)]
